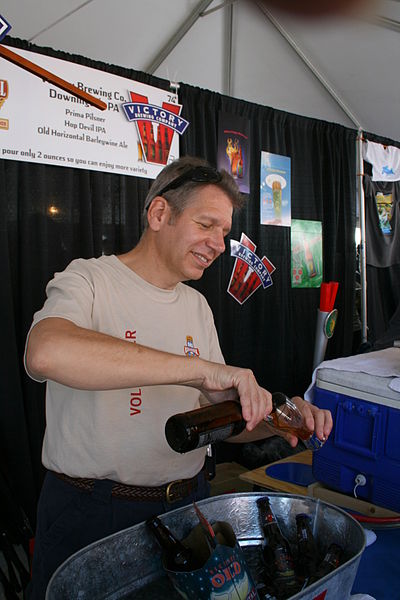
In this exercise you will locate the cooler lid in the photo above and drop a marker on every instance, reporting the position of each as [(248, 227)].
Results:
[(364, 376), (371, 388)]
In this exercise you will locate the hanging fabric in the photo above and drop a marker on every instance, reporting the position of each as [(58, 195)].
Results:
[(382, 199), (385, 161), (382, 222)]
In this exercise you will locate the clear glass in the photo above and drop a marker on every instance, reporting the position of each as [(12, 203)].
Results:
[(287, 417)]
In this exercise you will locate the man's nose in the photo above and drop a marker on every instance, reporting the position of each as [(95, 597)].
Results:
[(217, 241)]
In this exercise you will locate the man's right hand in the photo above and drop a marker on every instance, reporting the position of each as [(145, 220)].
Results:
[(225, 382)]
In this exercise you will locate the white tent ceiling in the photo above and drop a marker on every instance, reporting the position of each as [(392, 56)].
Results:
[(237, 49)]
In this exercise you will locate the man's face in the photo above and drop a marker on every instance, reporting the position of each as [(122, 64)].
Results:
[(195, 238)]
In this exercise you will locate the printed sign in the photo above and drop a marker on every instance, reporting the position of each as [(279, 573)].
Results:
[(275, 200), (233, 148), (4, 27), (154, 148), (41, 123), (306, 242), (249, 271)]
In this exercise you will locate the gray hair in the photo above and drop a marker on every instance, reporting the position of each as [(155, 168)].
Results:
[(178, 199)]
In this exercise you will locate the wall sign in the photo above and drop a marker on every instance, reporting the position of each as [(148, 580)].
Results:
[(4, 27), (40, 123), (275, 194)]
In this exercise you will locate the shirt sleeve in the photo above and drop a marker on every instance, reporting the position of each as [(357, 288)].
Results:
[(69, 296)]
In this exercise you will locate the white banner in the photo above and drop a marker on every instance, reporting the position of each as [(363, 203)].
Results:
[(40, 123)]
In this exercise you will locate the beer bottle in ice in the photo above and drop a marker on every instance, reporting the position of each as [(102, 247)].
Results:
[(307, 551), (277, 555), (329, 563), (176, 556)]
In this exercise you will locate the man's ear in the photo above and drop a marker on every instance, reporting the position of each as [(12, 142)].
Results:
[(158, 213)]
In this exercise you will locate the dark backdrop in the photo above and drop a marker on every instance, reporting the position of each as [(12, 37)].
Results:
[(273, 332)]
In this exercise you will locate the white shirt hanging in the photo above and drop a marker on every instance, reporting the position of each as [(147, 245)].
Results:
[(385, 161)]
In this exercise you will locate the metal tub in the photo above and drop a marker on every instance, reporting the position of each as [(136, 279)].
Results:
[(127, 564)]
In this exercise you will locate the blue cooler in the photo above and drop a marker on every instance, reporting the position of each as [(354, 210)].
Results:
[(365, 441)]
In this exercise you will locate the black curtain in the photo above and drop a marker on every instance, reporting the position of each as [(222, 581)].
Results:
[(272, 333)]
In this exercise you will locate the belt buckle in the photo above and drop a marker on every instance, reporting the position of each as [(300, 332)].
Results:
[(172, 496)]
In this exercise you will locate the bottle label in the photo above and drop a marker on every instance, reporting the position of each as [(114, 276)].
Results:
[(216, 435), (303, 536), (283, 563)]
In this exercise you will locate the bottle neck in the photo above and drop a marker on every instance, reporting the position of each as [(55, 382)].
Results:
[(268, 522), (165, 538)]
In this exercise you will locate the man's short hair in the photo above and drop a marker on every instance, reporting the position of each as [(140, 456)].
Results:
[(180, 197)]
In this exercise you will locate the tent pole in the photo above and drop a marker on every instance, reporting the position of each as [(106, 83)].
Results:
[(363, 261), (177, 36), (228, 52)]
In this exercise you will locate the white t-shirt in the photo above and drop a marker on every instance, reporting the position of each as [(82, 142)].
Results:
[(119, 434), (385, 161)]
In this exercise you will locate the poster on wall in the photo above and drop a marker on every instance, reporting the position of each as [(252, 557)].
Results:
[(233, 148), (306, 245), (249, 271), (136, 135), (275, 190)]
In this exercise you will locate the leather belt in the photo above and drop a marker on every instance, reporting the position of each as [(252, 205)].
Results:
[(171, 492)]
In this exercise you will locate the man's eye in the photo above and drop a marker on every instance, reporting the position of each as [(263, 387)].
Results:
[(205, 225)]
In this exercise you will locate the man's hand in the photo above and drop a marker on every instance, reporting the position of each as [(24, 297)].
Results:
[(224, 382), (316, 420)]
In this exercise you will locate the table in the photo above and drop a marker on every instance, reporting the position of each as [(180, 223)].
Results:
[(378, 573), (260, 480)]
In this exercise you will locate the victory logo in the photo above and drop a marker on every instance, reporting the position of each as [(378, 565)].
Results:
[(249, 271), (156, 127), (3, 91)]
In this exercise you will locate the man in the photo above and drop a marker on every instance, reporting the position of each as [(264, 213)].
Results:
[(123, 345)]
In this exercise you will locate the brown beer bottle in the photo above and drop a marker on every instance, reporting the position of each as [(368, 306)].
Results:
[(216, 422), (277, 555), (330, 562), (202, 426), (176, 556), (307, 551)]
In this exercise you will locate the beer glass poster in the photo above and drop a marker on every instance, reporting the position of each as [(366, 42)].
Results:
[(306, 243), (275, 190), (233, 148)]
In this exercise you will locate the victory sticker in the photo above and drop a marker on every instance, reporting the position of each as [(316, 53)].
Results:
[(249, 271)]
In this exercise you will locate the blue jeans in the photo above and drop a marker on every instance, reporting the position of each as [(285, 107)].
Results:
[(69, 519)]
